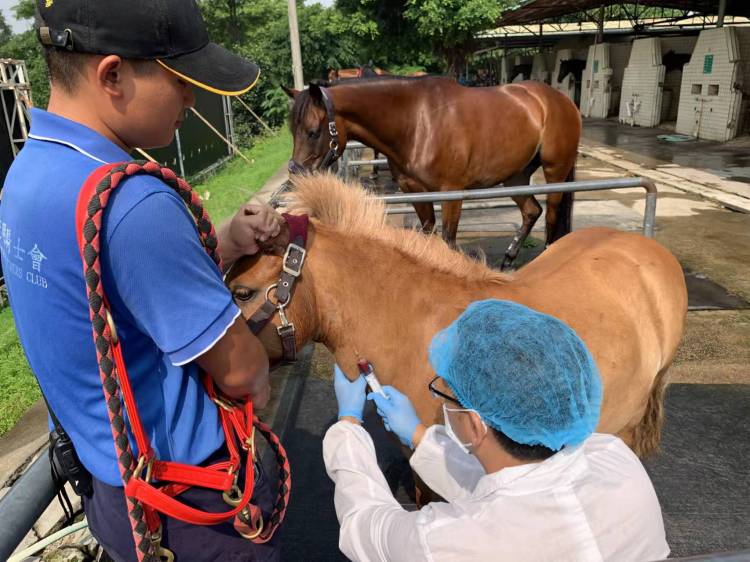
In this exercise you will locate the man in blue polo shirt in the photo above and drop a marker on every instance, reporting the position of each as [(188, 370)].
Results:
[(122, 76)]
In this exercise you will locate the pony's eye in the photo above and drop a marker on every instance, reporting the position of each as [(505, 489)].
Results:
[(313, 135), (243, 293)]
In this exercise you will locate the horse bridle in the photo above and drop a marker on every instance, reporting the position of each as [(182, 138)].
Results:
[(333, 145), (279, 294)]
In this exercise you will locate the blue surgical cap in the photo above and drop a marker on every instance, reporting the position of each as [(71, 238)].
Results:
[(527, 374)]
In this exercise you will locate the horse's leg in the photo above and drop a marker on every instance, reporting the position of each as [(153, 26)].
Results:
[(451, 214), (530, 212), (426, 214), (425, 211), (374, 173), (559, 212)]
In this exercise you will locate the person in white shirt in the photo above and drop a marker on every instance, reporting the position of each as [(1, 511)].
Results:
[(521, 471)]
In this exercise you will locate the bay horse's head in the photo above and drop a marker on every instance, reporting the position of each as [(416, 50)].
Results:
[(316, 140)]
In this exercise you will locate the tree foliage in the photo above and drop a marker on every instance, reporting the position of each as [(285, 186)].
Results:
[(450, 25), (5, 31), (395, 41)]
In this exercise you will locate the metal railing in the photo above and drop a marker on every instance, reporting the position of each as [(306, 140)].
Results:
[(500, 191), (347, 161), (649, 213), (24, 504)]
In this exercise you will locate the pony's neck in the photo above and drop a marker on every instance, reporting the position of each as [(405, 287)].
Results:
[(374, 113), (377, 302)]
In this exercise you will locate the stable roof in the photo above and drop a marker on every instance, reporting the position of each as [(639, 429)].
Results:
[(535, 11)]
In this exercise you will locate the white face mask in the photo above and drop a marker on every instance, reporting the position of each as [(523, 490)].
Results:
[(449, 429)]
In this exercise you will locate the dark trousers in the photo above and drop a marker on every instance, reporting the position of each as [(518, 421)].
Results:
[(107, 515)]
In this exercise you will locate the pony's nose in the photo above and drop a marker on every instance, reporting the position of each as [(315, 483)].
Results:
[(296, 168)]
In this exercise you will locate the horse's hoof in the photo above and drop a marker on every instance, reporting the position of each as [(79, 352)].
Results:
[(507, 263)]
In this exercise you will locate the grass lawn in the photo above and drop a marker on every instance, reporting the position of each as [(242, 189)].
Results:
[(18, 388), (224, 192), (231, 186)]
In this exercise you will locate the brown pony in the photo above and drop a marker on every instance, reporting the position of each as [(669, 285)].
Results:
[(440, 136), (385, 292)]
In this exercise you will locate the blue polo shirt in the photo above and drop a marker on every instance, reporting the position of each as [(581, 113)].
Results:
[(167, 296)]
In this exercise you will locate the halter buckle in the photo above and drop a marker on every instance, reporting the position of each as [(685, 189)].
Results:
[(254, 535), (286, 326), (112, 327), (332, 130), (148, 464), (224, 403), (162, 553), (291, 264)]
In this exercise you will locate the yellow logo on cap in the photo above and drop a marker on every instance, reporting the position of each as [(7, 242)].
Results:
[(48, 3)]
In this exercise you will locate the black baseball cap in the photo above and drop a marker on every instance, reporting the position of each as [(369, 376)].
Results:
[(171, 32)]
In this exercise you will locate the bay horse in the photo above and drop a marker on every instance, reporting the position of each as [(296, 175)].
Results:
[(439, 136), (383, 292)]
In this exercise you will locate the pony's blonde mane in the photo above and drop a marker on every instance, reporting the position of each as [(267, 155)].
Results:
[(347, 208)]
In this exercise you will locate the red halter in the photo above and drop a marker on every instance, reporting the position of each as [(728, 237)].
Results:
[(145, 500)]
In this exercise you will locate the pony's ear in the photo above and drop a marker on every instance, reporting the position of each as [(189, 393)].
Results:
[(276, 246), (291, 92)]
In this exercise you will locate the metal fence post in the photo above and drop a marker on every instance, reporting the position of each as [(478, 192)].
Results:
[(24, 504)]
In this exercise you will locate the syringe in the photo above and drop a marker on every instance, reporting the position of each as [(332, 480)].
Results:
[(365, 368)]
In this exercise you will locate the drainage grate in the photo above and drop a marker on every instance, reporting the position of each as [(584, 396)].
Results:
[(704, 294)]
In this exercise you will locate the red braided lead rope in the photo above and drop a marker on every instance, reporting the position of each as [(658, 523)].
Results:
[(144, 521)]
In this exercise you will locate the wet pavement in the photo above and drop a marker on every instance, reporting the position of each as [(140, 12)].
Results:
[(730, 160)]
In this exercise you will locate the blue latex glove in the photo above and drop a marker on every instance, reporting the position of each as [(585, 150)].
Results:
[(349, 395), (398, 413)]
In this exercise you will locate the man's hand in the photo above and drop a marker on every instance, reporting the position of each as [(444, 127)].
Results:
[(239, 236), (398, 415)]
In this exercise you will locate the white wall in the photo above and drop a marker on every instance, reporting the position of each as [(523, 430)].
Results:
[(600, 92), (521, 60), (640, 102), (673, 80), (504, 70), (542, 65), (567, 86), (743, 37), (710, 103)]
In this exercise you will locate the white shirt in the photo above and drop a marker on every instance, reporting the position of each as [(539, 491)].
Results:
[(590, 502)]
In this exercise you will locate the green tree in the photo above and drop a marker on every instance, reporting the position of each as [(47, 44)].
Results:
[(451, 25), (5, 31), (395, 41), (24, 46), (24, 9)]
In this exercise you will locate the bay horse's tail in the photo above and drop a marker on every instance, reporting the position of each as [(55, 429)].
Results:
[(647, 434), (564, 222)]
